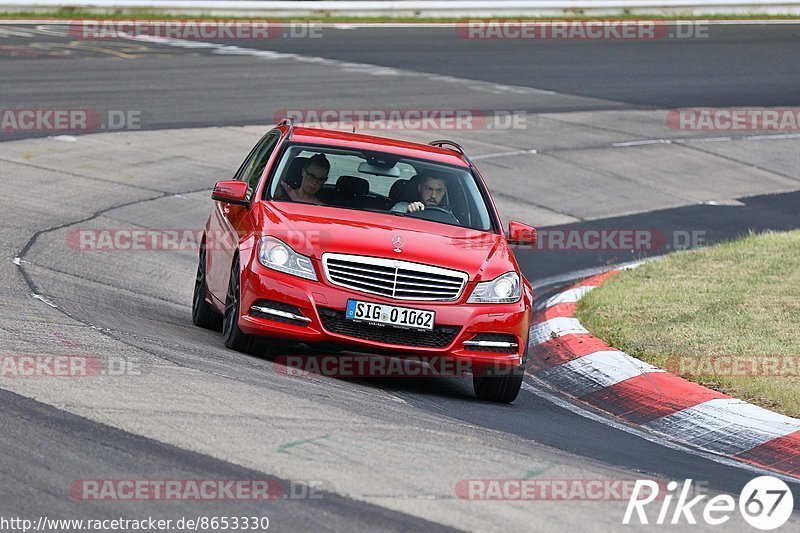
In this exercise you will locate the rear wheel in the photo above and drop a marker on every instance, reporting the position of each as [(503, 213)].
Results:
[(203, 314), (234, 337), (502, 388)]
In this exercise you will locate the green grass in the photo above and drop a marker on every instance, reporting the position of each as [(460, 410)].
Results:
[(68, 13), (740, 298)]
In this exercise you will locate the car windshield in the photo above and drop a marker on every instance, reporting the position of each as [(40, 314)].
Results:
[(380, 182)]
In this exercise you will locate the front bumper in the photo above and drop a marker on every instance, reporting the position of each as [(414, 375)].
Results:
[(282, 306)]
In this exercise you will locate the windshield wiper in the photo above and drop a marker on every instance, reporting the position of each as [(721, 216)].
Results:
[(383, 212)]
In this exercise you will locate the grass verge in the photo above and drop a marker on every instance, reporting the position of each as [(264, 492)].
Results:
[(727, 317)]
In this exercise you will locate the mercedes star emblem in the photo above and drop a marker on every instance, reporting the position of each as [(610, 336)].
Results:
[(398, 241)]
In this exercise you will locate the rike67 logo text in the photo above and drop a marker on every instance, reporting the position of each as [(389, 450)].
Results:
[(765, 503)]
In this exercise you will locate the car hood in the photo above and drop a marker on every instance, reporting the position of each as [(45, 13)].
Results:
[(314, 230)]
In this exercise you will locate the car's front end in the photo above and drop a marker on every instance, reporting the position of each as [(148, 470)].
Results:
[(465, 281)]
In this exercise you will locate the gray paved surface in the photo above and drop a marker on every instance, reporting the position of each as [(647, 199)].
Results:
[(391, 452)]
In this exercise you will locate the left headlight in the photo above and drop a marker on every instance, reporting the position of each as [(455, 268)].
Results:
[(277, 255), (505, 289)]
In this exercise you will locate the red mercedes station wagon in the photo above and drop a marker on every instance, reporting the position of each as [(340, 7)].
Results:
[(367, 244)]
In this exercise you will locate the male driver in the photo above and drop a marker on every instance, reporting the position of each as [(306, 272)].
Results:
[(431, 192)]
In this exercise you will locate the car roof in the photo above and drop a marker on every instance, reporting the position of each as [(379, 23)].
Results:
[(344, 139)]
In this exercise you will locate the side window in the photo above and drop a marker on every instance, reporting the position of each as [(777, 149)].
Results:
[(254, 167), (249, 159)]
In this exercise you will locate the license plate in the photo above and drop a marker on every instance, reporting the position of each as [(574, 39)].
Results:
[(390, 315)]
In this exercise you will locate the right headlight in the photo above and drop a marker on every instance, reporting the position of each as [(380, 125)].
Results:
[(505, 289), (277, 255)]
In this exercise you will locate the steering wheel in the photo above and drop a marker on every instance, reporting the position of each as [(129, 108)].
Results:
[(435, 214)]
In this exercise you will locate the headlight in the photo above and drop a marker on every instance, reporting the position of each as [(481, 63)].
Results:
[(505, 289), (277, 255)]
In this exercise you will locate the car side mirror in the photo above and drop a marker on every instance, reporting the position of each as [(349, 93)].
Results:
[(521, 234), (232, 192)]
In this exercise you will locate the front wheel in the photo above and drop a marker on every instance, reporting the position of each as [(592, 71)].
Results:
[(203, 315), (502, 388), (234, 337)]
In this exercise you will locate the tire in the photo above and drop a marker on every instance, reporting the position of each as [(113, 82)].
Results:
[(203, 315), (233, 336), (500, 389)]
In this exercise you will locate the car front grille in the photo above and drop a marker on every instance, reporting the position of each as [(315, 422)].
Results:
[(401, 280), (335, 322)]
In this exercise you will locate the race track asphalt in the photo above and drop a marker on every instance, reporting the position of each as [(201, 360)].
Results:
[(388, 452)]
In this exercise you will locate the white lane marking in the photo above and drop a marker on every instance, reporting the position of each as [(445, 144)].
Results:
[(64, 138), (641, 143), (764, 137), (697, 140), (555, 327), (725, 425), (504, 154), (704, 140), (17, 32), (772, 137), (727, 203), (581, 411), (347, 66), (48, 30), (569, 296), (45, 300), (595, 372)]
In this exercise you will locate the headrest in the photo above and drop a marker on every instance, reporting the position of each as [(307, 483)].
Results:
[(294, 176), (351, 186), (396, 192), (411, 191)]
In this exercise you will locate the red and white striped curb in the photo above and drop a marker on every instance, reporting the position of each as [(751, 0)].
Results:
[(564, 355)]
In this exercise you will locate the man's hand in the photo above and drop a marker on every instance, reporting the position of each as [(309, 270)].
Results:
[(414, 207)]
